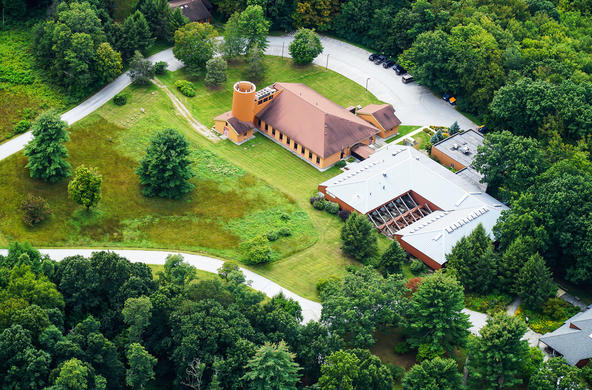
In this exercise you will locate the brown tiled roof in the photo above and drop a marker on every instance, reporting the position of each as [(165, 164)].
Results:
[(383, 113), (363, 150), (314, 121), (240, 126), (195, 10)]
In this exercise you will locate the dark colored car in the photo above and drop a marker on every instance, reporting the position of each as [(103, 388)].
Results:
[(388, 63), (399, 69), (372, 56), (482, 129), (407, 78), (446, 96), (379, 60)]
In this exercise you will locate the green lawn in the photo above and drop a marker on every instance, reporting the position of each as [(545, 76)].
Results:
[(403, 131), (421, 139), (240, 190)]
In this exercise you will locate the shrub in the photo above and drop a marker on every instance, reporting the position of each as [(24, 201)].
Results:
[(402, 348), (413, 283), (36, 210), (490, 303), (332, 208), (340, 164), (428, 147), (285, 232), (322, 283), (120, 99), (587, 374), (185, 87), (428, 352), (437, 137), (344, 215), (285, 217), (417, 267), (256, 250), (21, 126), (556, 309), (319, 204), (396, 372), (313, 199), (160, 67), (273, 235)]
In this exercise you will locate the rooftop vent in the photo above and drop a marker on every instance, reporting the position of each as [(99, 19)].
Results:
[(465, 150), (454, 147)]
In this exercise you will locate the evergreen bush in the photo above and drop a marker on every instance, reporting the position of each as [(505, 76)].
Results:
[(120, 99), (185, 87), (332, 207), (21, 127)]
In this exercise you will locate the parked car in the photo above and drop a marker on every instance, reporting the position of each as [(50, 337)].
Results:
[(399, 69), (446, 96), (373, 56), (407, 78), (452, 101), (379, 60), (388, 63), (482, 129)]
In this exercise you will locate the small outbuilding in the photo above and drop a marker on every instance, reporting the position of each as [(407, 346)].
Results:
[(458, 151), (383, 117), (194, 10), (573, 340)]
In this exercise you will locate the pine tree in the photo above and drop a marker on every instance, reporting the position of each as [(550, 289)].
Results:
[(175, 22), (136, 35), (165, 170), (255, 65), (46, 152), (535, 282), (434, 315), (512, 261), (392, 259), (215, 72), (474, 262), (359, 238), (85, 187), (272, 367), (494, 358), (454, 128)]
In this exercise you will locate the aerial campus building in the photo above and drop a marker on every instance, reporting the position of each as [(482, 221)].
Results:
[(305, 122), (411, 198)]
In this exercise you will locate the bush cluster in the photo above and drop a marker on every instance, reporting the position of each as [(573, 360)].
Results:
[(120, 99), (344, 215), (340, 163), (323, 282), (401, 348), (35, 209), (21, 127), (417, 267), (186, 87), (320, 203), (273, 235), (256, 250), (160, 67)]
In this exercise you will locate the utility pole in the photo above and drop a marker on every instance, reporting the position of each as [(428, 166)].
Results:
[(283, 42), (367, 78), (327, 65)]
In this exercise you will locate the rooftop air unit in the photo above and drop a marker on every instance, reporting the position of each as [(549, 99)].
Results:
[(454, 147), (465, 150)]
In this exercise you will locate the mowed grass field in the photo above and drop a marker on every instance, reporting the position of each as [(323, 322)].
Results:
[(240, 191)]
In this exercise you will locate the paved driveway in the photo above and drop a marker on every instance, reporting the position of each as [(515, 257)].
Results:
[(414, 104)]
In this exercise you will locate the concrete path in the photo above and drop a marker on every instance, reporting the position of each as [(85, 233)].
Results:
[(92, 103), (512, 307), (310, 310), (414, 104)]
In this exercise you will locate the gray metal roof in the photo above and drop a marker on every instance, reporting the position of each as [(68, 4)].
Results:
[(454, 146), (573, 344), (473, 177), (395, 170)]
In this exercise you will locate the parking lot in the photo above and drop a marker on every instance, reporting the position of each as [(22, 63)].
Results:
[(414, 104)]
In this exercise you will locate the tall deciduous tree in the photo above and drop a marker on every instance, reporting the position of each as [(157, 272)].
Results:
[(435, 374), (535, 282), (359, 238), (136, 314), (435, 316), (234, 42), (255, 65), (474, 262), (166, 169), (272, 367), (494, 357), (253, 27), (510, 164), (141, 69), (354, 369), (46, 152), (85, 187), (305, 47), (141, 366), (363, 302), (108, 62), (195, 44), (556, 374)]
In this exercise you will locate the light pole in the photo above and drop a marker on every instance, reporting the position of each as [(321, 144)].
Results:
[(283, 42), (327, 65), (367, 78)]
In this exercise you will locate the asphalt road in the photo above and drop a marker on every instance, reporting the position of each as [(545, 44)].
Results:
[(414, 104)]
